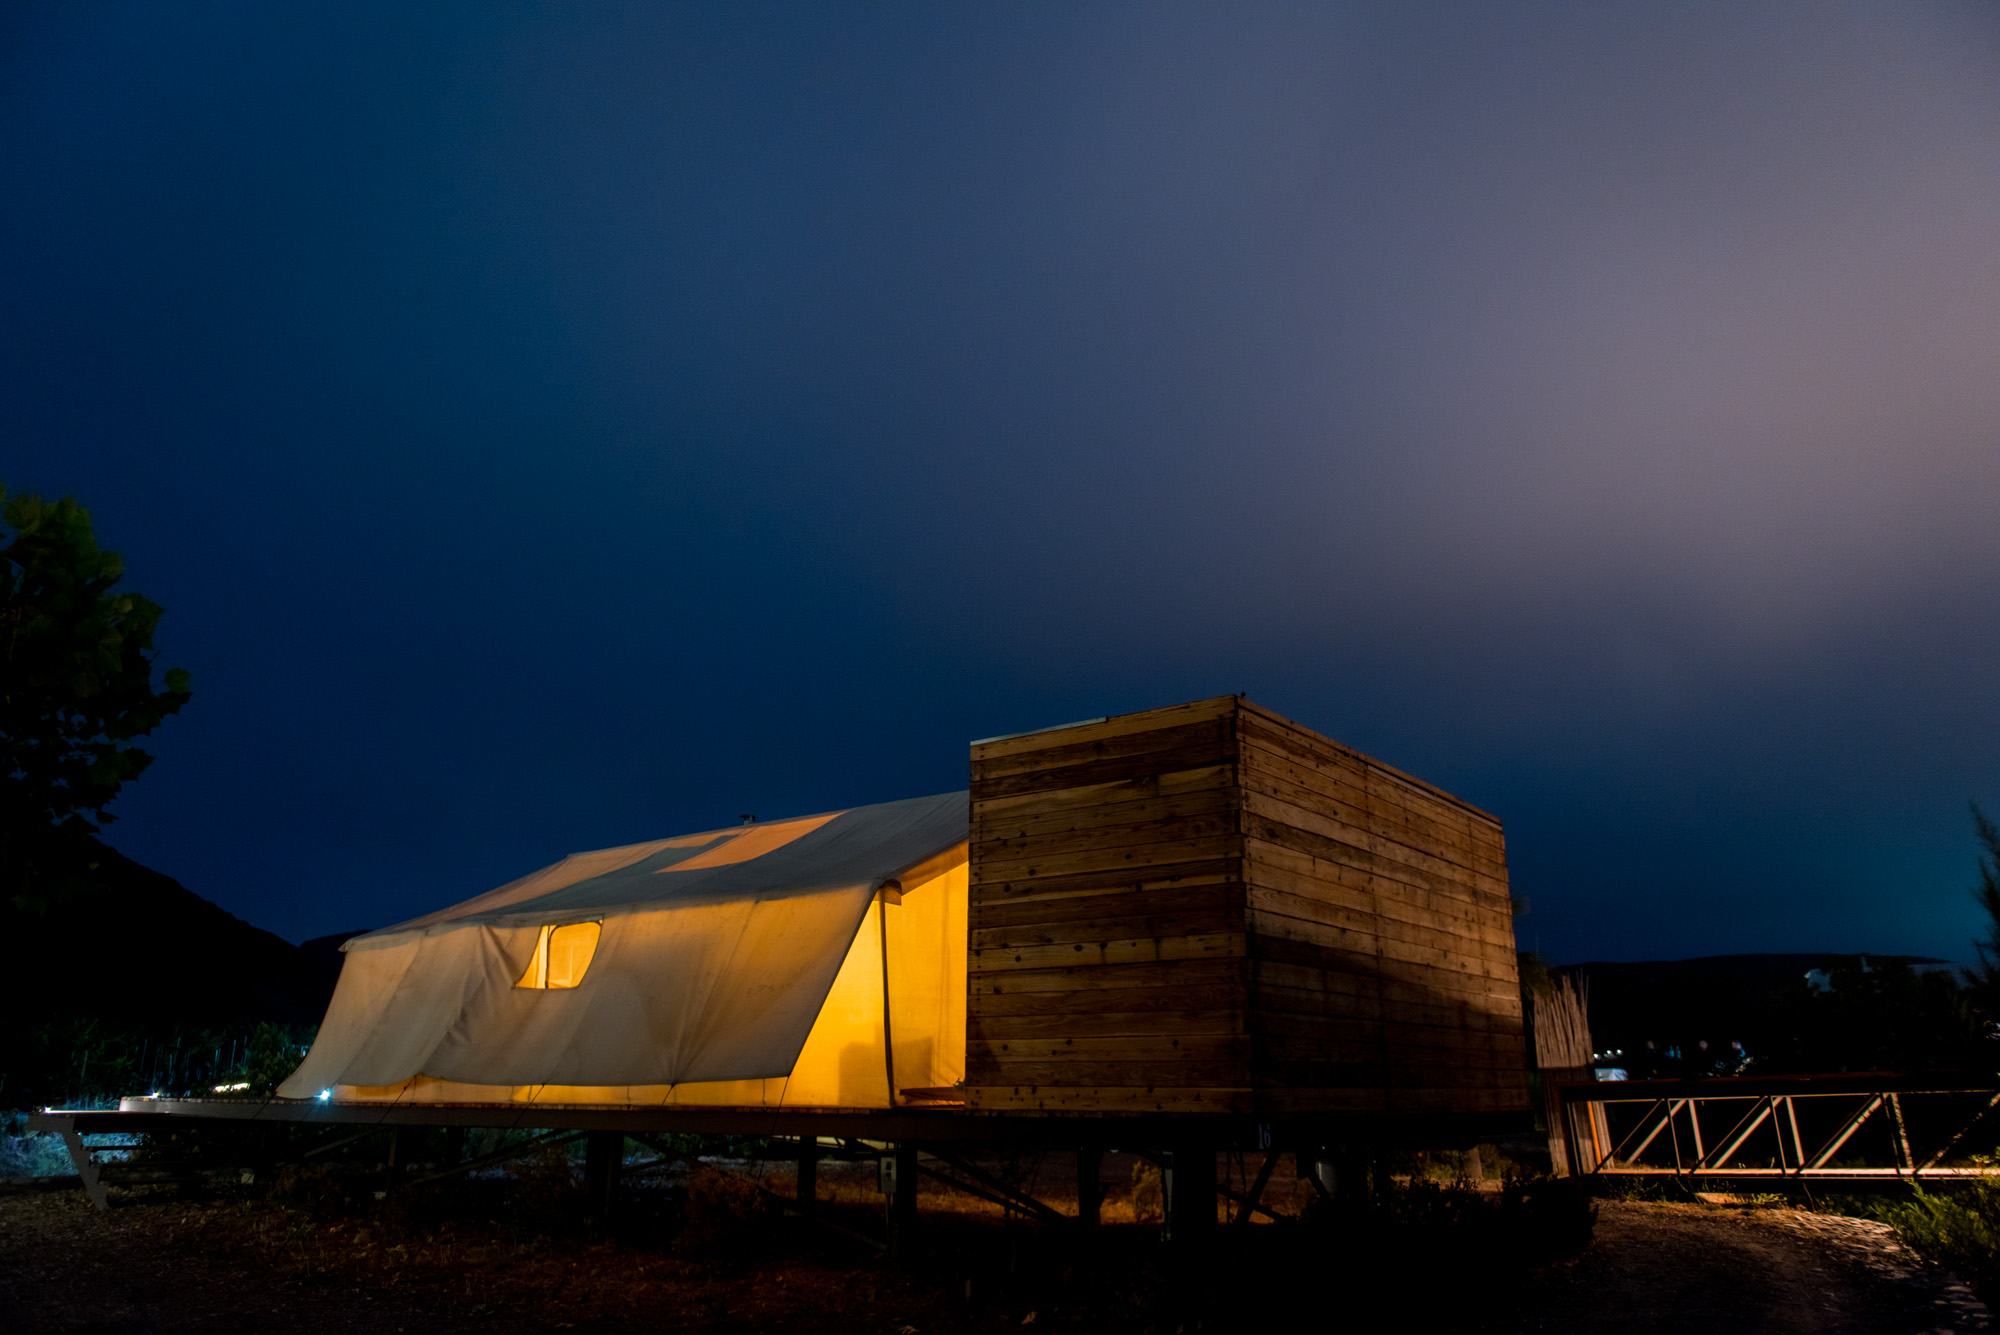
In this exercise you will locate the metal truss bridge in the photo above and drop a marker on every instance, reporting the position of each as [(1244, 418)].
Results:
[(1809, 1128)]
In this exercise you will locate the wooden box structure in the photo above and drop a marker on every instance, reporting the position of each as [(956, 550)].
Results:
[(1210, 909)]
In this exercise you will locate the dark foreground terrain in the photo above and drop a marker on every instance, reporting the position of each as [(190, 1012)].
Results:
[(1658, 1268), (467, 1262)]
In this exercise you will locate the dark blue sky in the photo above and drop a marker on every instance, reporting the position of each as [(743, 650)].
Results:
[(555, 425)]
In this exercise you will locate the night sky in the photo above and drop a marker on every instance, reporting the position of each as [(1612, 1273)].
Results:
[(555, 425)]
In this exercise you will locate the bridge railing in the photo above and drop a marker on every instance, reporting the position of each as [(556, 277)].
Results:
[(1890, 1125)]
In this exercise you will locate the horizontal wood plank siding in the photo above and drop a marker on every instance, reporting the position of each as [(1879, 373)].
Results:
[(1210, 909), (1109, 963), (1381, 934), (1090, 1100)]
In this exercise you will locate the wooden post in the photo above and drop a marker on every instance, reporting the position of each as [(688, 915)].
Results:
[(395, 1154), (903, 1199), (603, 1156), (1190, 1190), (1339, 1173), (808, 1189), (1089, 1187)]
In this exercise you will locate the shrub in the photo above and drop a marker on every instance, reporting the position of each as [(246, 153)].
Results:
[(1960, 1232), (32, 1154), (1149, 1197)]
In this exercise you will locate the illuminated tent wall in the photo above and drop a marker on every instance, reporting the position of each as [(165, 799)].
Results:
[(809, 963)]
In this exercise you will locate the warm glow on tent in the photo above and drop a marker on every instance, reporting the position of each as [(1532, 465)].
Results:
[(816, 962), (919, 934), (561, 956)]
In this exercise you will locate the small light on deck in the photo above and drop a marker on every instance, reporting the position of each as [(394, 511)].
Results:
[(325, 1094)]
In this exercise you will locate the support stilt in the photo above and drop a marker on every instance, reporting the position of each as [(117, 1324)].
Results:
[(903, 1200), (1190, 1191), (808, 1189), (395, 1159), (1089, 1186), (603, 1156)]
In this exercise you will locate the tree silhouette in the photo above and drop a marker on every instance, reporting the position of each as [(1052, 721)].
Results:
[(76, 689), (1985, 976)]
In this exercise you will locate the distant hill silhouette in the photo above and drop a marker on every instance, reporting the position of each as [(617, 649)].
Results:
[(1702, 1007), (138, 947)]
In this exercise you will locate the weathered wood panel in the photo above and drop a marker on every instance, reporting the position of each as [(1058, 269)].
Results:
[(1138, 976), (1190, 919), (1092, 954), (1208, 908), (1188, 746), (1145, 720), (1121, 901), (1226, 1047), (1109, 1099), (1002, 996), (1382, 933), (1000, 1027), (1107, 894)]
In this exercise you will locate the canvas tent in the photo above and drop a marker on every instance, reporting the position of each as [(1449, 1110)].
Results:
[(812, 962)]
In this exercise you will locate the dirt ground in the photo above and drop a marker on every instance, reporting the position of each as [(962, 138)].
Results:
[(1655, 1267), (165, 1262)]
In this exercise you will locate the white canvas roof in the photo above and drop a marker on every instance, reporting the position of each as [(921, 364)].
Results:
[(714, 955)]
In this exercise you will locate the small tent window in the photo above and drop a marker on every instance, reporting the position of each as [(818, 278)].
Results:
[(561, 956)]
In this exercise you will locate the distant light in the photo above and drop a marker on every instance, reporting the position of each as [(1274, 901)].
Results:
[(325, 1094), (231, 1089)]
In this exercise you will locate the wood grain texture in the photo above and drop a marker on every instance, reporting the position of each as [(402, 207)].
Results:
[(1183, 747), (1071, 979), (1091, 1022), (1208, 908), (1110, 1100), (1382, 933), (1124, 900), (1089, 1008), (998, 752), (1107, 894)]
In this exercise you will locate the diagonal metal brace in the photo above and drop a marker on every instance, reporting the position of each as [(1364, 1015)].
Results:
[(1222, 1190), (1963, 1131), (1256, 1190), (544, 1141), (981, 1193), (1019, 1200), (86, 1167), (1846, 1132), (785, 1203), (1666, 1108), (1758, 1113), (327, 1147)]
